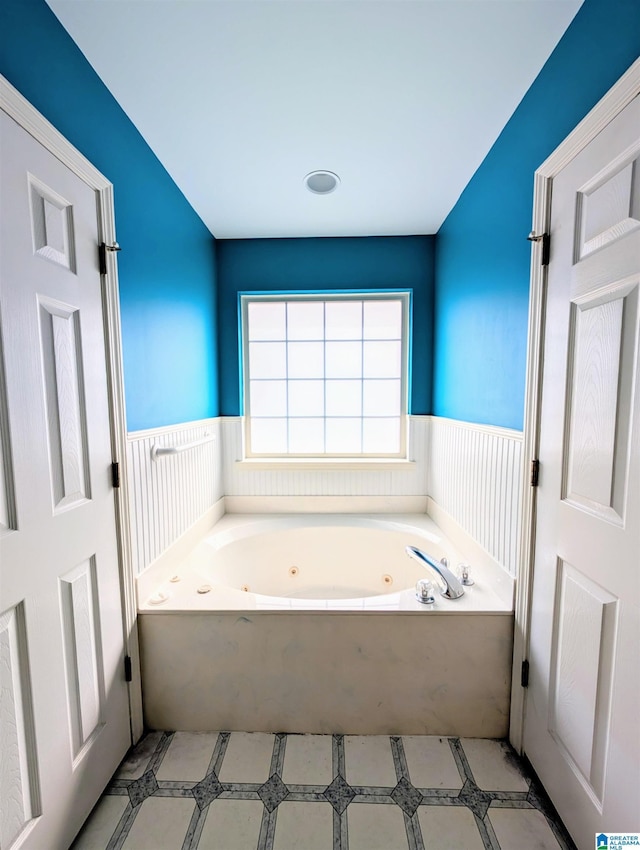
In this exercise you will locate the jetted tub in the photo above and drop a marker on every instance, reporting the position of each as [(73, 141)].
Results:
[(309, 623)]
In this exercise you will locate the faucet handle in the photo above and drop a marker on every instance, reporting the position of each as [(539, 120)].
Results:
[(464, 574), (424, 591)]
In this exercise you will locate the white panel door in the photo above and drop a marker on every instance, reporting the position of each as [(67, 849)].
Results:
[(581, 727), (64, 714)]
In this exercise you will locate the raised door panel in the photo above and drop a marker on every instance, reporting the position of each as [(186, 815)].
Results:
[(19, 795), (63, 385), (83, 652), (602, 353), (582, 669), (51, 225), (608, 206), (7, 484)]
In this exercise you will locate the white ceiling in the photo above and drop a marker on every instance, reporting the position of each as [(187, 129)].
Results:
[(240, 99)]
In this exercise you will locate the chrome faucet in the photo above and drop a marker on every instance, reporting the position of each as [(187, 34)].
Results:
[(450, 586)]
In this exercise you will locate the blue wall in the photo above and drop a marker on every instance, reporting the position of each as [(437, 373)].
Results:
[(482, 256), (259, 265), (167, 264)]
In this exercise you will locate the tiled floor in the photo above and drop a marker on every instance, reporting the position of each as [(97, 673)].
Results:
[(253, 791)]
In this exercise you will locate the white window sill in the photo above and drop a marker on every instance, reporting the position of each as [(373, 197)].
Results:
[(371, 463)]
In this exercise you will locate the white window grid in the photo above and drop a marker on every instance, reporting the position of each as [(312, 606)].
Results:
[(285, 383)]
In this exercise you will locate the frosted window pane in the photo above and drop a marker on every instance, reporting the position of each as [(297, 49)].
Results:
[(382, 320), (381, 435), (268, 359), (344, 359), (267, 320), (382, 359), (268, 398), (343, 320), (343, 398), (381, 398), (269, 436), (306, 436), (305, 320), (306, 359), (306, 398), (325, 376), (344, 436)]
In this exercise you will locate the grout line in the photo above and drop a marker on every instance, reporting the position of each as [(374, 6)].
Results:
[(432, 800), (160, 751), (485, 828), (340, 823), (374, 795), (194, 830), (414, 833), (173, 792), (239, 793), (343, 825), (219, 752), (509, 803), (267, 830), (337, 831), (399, 758), (338, 756), (306, 797), (511, 795), (277, 759), (122, 829), (117, 790), (461, 760)]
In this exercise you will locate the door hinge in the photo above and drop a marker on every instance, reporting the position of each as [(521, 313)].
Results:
[(535, 472), (545, 238), (524, 674), (102, 254), (546, 249), (115, 474), (128, 675)]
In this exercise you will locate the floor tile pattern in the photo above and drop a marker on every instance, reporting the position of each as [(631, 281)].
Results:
[(491, 804)]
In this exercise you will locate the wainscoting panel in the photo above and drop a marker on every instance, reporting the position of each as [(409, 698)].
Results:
[(169, 494), (475, 475), (472, 472), (240, 481)]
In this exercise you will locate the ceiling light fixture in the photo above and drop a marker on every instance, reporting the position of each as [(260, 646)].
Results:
[(321, 182)]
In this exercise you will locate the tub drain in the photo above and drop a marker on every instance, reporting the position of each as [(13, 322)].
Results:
[(387, 579), (293, 571)]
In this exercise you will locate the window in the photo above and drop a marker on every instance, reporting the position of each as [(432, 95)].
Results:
[(325, 375)]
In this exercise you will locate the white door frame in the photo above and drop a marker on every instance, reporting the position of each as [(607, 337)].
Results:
[(24, 114), (616, 99)]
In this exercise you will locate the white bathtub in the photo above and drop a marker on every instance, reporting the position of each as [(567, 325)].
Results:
[(324, 562), (309, 623)]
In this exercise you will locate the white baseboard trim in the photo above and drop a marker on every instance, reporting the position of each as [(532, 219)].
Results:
[(165, 565), (503, 583), (326, 504)]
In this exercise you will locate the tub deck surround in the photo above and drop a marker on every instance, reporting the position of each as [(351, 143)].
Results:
[(382, 663), (353, 673)]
